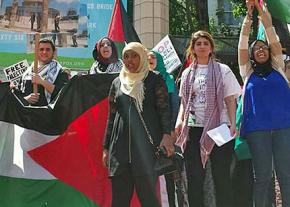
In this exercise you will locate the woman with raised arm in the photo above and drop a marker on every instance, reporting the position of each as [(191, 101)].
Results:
[(266, 109)]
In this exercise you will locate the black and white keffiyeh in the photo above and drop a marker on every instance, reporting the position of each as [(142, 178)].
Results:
[(47, 72)]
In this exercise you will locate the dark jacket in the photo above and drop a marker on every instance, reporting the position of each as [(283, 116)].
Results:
[(126, 138)]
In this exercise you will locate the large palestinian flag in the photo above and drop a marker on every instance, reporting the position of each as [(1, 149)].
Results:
[(51, 156)]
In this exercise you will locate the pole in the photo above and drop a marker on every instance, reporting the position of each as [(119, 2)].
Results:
[(35, 66)]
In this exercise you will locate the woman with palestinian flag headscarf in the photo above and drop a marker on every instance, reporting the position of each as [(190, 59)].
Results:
[(266, 109), (139, 118), (105, 54)]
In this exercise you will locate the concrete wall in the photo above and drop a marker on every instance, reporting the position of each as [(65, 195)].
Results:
[(151, 20)]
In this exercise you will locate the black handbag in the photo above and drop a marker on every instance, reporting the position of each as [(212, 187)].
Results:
[(163, 164)]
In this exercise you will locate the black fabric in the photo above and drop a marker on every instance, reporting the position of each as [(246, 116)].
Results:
[(129, 31), (126, 137), (221, 158), (123, 187), (262, 70), (80, 94)]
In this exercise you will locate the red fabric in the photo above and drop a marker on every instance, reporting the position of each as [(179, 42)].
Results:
[(75, 157), (116, 31)]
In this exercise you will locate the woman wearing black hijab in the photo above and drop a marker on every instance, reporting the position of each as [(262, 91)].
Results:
[(266, 109), (106, 57)]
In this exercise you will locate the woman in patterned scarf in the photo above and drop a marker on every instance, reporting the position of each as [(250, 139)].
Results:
[(105, 54), (139, 118), (208, 99)]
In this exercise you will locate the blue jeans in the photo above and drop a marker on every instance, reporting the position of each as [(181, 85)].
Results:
[(267, 147)]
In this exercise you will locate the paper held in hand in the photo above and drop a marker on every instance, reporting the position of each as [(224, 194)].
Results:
[(220, 135)]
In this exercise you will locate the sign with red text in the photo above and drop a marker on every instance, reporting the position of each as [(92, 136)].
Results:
[(170, 57)]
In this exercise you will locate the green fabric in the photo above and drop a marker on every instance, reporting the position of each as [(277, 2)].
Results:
[(18, 192), (120, 46), (261, 32), (280, 9), (241, 145), (160, 67)]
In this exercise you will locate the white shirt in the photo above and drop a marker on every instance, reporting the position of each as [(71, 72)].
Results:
[(231, 87)]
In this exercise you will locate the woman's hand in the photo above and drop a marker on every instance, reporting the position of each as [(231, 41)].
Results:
[(233, 130), (105, 157), (250, 7), (168, 144)]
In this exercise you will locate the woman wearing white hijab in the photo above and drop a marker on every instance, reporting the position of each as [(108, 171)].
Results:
[(128, 152)]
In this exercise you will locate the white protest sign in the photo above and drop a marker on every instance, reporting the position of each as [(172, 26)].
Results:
[(170, 57), (14, 72)]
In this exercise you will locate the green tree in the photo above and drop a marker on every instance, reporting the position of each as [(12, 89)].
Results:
[(187, 16)]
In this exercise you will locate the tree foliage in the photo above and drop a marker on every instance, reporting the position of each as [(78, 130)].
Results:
[(187, 16)]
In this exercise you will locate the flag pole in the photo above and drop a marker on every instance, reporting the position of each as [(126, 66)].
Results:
[(35, 66)]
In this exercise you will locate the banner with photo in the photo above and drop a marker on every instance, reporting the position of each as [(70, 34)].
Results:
[(73, 25)]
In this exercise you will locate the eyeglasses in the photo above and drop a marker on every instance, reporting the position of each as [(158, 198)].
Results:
[(263, 47)]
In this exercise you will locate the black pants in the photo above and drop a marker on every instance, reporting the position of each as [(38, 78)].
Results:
[(123, 188), (221, 159), (170, 188), (243, 180)]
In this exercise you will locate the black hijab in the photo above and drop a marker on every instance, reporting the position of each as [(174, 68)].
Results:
[(104, 62)]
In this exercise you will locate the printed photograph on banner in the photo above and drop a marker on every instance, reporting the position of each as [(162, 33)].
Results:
[(73, 25), (63, 21)]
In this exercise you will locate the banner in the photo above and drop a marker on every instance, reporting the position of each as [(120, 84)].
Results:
[(170, 57), (14, 72), (74, 26)]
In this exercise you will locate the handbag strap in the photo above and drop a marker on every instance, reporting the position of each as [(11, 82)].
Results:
[(144, 124)]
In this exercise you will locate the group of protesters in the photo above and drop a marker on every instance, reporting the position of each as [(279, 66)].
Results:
[(147, 111)]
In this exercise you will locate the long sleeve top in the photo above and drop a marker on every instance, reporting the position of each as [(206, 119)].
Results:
[(126, 137)]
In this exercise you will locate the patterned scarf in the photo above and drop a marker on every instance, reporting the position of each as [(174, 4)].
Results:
[(213, 108), (132, 83), (49, 72)]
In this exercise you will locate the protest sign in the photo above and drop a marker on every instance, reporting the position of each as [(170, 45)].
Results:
[(14, 72), (170, 57)]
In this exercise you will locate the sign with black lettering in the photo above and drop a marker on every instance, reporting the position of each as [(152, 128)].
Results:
[(14, 72)]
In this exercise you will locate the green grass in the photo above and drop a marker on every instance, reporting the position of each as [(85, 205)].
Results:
[(7, 59)]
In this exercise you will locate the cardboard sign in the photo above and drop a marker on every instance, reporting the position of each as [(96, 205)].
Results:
[(170, 57), (14, 72)]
